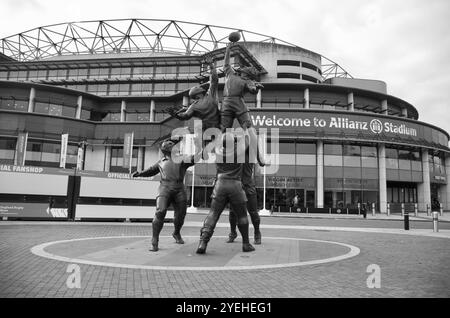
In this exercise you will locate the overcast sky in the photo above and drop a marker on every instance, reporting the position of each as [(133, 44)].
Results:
[(405, 43)]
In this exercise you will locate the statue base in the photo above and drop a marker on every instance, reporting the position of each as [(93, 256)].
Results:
[(192, 209), (265, 212)]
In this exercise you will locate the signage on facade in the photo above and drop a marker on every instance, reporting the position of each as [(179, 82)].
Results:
[(22, 139), (35, 210), (374, 126), (63, 156), (128, 150)]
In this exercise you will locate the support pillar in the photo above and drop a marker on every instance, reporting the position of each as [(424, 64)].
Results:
[(319, 165), (123, 111), (140, 158), (79, 107), (384, 107), (259, 99), (424, 188), (306, 97), (31, 100), (185, 101), (107, 158), (152, 110), (382, 177), (405, 112), (350, 102)]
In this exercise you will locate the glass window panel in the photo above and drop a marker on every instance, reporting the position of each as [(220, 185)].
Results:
[(391, 153), (352, 150), (332, 149), (368, 151), (287, 147), (41, 108), (352, 161), (404, 164), (369, 162), (331, 160), (305, 148), (391, 163)]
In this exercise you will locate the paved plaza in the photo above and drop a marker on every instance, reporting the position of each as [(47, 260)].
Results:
[(298, 257)]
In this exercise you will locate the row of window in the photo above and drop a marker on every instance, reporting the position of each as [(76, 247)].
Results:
[(298, 76), (104, 73), (139, 89), (299, 64)]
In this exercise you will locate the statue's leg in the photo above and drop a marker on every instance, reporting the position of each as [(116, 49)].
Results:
[(179, 205), (252, 208), (238, 202), (209, 224), (162, 202), (233, 222)]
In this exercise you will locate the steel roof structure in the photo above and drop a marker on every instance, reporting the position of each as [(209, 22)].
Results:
[(133, 36)]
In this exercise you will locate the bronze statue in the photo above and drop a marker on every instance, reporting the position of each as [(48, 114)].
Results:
[(227, 189), (171, 191)]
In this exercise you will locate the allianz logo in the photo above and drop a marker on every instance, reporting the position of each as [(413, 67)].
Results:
[(57, 213)]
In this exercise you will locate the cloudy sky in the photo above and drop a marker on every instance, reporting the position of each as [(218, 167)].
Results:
[(405, 43)]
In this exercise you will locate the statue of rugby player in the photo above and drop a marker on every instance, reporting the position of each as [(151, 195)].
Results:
[(171, 191), (227, 189)]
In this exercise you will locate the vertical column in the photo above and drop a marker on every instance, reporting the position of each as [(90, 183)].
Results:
[(123, 111), (31, 100), (79, 106), (405, 112), (382, 177), (259, 99), (152, 110), (384, 107), (107, 158), (306, 97), (350, 102), (424, 188), (319, 165), (140, 158), (185, 101)]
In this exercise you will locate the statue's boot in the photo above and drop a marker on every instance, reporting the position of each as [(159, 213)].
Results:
[(154, 247), (232, 236), (205, 236), (178, 238), (258, 237)]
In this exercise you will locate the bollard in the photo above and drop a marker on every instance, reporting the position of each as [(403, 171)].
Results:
[(388, 209), (373, 209), (329, 210), (435, 222), (428, 210), (416, 209), (441, 210), (359, 208), (403, 209), (406, 221), (307, 211)]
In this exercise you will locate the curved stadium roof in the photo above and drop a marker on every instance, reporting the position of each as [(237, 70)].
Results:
[(133, 36)]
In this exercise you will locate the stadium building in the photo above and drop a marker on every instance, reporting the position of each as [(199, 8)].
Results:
[(105, 85)]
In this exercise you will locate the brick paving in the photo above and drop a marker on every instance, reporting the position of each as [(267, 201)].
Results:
[(411, 266)]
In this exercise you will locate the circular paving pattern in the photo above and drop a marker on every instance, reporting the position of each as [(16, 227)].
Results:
[(132, 252)]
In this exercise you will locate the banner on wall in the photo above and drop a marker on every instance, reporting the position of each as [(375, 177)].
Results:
[(63, 157), (22, 140), (128, 150)]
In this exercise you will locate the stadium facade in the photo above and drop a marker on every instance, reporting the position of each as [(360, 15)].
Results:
[(343, 141)]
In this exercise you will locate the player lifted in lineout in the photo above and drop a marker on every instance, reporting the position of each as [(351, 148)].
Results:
[(233, 106), (171, 190), (206, 103)]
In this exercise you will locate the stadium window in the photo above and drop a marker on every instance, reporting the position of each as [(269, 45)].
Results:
[(3, 75), (309, 78), (288, 75), (309, 66), (7, 150), (288, 62)]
